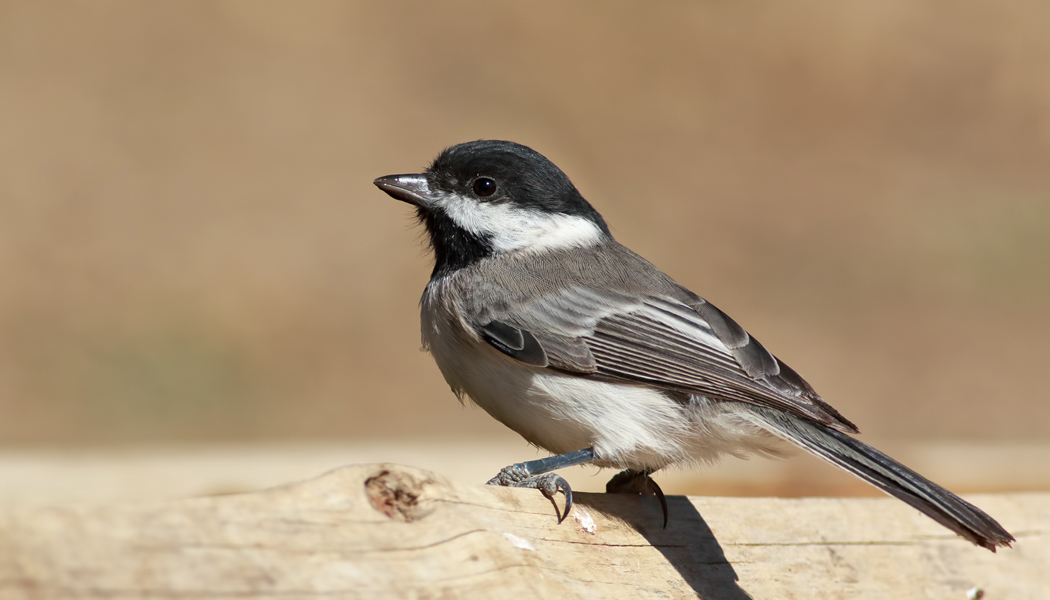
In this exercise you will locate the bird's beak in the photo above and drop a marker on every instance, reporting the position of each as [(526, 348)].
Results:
[(407, 188)]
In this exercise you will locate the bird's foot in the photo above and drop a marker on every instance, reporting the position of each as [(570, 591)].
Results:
[(637, 482), (518, 475)]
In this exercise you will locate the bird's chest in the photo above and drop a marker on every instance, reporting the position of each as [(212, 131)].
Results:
[(554, 410), (470, 366), (513, 393)]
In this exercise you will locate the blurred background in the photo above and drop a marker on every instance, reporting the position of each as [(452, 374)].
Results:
[(197, 276)]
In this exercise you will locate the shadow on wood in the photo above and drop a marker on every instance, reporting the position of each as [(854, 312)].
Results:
[(687, 543)]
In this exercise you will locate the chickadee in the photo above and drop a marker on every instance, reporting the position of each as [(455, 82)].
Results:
[(586, 349)]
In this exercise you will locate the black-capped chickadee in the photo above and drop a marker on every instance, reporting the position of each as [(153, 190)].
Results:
[(539, 316)]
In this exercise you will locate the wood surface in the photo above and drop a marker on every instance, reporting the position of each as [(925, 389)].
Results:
[(387, 531)]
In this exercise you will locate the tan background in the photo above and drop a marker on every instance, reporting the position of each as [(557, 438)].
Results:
[(191, 249)]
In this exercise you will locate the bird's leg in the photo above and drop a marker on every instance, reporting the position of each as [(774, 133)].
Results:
[(637, 482), (537, 474)]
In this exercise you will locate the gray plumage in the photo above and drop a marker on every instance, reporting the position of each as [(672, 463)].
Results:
[(610, 313), (584, 348)]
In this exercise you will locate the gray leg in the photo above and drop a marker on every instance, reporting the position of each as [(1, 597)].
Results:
[(637, 482), (536, 474)]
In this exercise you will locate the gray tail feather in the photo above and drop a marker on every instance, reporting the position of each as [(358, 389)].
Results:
[(889, 476)]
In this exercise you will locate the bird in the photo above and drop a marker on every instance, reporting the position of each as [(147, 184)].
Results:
[(539, 316)]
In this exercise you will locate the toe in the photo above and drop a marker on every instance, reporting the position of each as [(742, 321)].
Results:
[(552, 483), (637, 482), (511, 476)]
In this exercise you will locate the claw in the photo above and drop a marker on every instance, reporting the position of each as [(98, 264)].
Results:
[(548, 484), (637, 482), (663, 501)]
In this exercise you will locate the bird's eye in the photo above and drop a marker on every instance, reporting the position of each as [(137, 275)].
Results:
[(484, 187)]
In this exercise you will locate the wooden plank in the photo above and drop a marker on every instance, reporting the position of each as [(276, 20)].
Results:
[(387, 531), (143, 473)]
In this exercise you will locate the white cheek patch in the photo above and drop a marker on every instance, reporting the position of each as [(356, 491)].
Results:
[(510, 228)]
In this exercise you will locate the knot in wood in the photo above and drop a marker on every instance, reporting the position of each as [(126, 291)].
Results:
[(396, 495)]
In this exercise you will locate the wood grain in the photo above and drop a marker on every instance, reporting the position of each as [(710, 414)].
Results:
[(388, 531)]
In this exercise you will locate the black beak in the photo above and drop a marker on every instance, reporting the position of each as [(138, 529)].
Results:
[(406, 188)]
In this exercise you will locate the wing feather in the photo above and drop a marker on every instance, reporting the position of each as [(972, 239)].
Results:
[(659, 341)]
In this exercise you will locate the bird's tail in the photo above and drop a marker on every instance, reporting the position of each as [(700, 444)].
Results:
[(889, 476)]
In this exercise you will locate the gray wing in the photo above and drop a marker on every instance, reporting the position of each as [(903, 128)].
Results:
[(680, 344)]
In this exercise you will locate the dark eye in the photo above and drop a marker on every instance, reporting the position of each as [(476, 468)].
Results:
[(484, 187)]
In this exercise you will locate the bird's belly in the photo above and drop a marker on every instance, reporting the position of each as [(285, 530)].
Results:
[(627, 425)]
